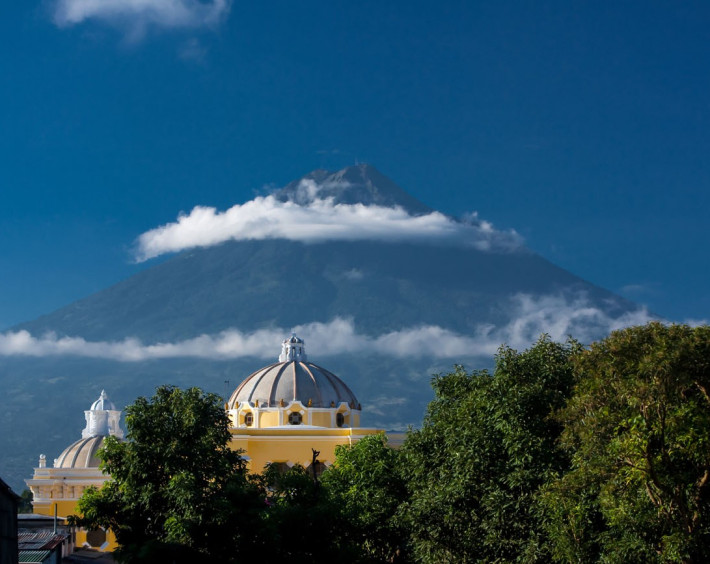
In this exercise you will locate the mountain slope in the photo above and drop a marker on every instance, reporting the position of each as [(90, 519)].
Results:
[(254, 284)]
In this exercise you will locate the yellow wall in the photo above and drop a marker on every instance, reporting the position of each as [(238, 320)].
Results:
[(63, 487), (293, 445)]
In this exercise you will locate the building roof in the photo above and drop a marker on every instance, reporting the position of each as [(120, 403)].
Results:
[(293, 379), (40, 540), (32, 555), (36, 546), (81, 454), (8, 490)]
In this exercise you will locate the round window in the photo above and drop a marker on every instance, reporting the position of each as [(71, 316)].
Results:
[(294, 418), (96, 537), (340, 419), (249, 419)]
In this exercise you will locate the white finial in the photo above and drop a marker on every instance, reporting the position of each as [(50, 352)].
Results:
[(42, 461), (293, 348)]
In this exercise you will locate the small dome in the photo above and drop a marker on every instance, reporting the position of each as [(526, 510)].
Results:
[(103, 403), (293, 379), (80, 454)]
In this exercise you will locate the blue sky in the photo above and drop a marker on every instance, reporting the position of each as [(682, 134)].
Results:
[(584, 126)]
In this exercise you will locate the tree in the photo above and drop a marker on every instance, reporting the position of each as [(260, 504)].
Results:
[(25, 505), (366, 484), (638, 431), (302, 521), (176, 483), (474, 469)]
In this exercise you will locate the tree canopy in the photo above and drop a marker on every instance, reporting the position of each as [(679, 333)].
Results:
[(367, 486), (638, 431), (487, 444), (175, 481)]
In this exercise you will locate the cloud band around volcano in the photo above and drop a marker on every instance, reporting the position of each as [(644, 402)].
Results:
[(558, 316), (318, 221)]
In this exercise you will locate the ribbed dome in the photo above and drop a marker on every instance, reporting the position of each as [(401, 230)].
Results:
[(80, 454), (293, 379)]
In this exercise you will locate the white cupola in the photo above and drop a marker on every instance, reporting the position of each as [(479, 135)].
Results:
[(293, 348), (102, 419)]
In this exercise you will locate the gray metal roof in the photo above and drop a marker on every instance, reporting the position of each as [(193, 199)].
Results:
[(33, 555)]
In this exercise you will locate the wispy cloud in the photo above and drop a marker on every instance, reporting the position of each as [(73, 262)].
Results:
[(193, 51), (136, 16), (558, 316), (314, 220), (636, 291), (353, 274)]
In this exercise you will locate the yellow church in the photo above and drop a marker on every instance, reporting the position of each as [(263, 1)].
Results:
[(279, 415), (282, 411), (57, 489)]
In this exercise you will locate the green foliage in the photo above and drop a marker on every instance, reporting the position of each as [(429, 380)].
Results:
[(638, 429), (175, 481), (25, 505), (366, 484), (486, 446), (302, 522)]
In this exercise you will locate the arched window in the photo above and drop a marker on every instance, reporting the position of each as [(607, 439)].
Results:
[(249, 419), (340, 419), (282, 467), (320, 468)]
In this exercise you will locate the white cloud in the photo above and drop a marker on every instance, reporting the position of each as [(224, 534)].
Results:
[(138, 15), (353, 274), (317, 220), (559, 316)]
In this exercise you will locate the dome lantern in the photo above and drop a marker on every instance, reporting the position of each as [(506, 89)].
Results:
[(102, 419), (293, 348), (103, 403)]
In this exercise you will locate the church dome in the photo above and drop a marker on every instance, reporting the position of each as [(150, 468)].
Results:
[(293, 378), (81, 454)]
